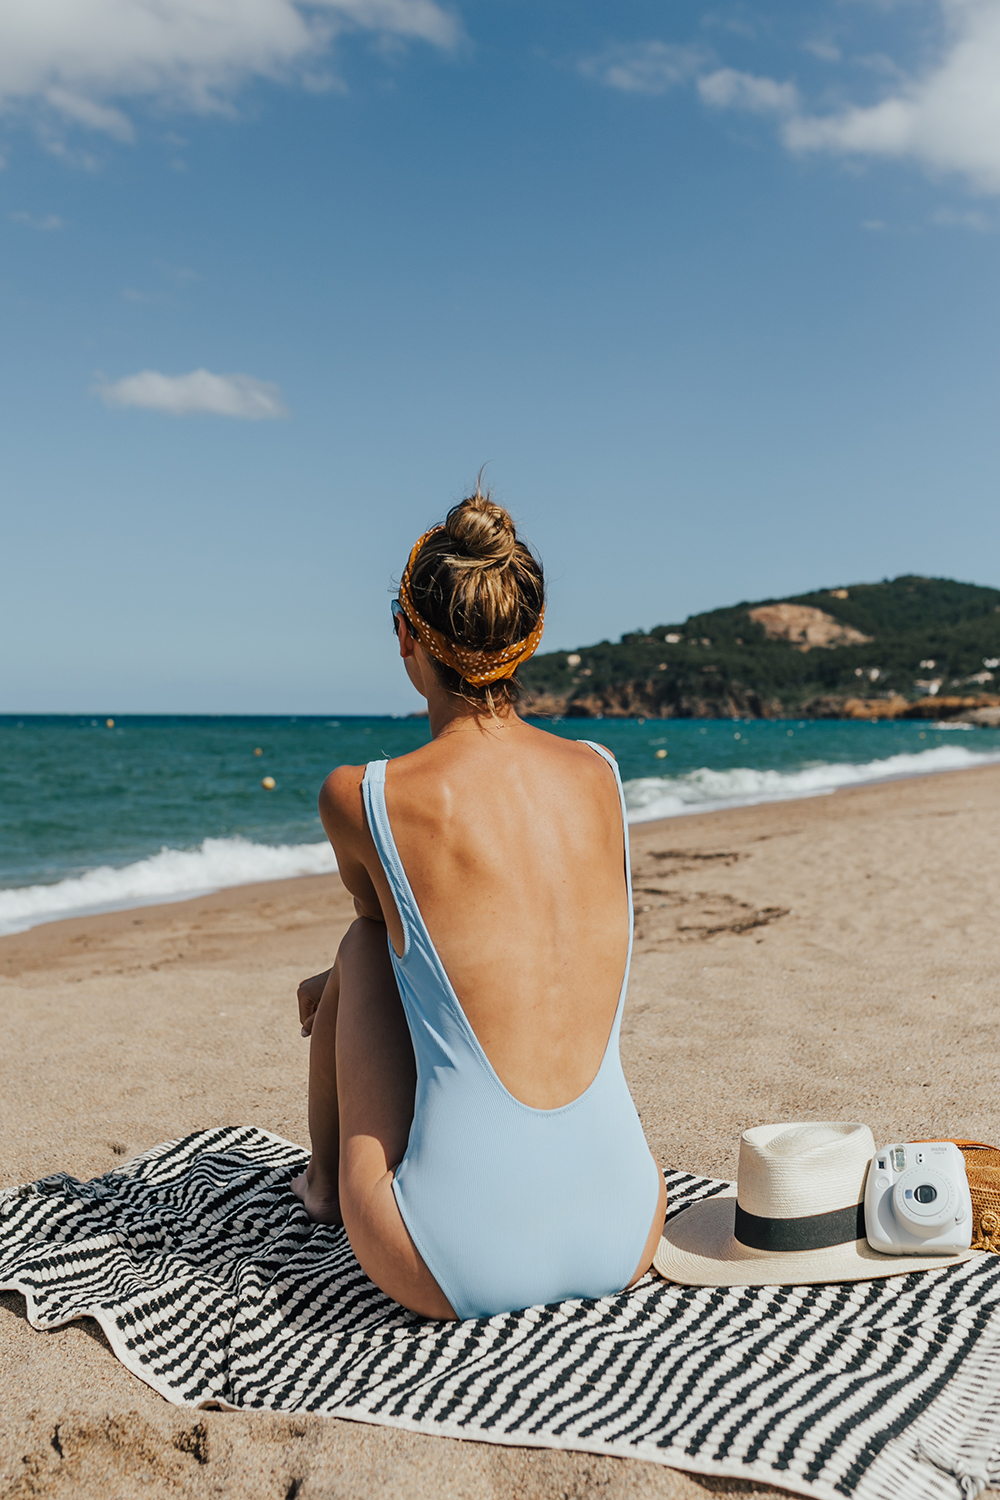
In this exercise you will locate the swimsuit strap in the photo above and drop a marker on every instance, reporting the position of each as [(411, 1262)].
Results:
[(373, 792)]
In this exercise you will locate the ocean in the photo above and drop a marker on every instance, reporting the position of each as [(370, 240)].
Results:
[(98, 814)]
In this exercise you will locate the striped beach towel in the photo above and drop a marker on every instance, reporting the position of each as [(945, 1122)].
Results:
[(213, 1287)]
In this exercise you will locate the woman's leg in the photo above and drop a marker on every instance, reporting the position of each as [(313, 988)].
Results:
[(653, 1239), (361, 1086), (318, 1186)]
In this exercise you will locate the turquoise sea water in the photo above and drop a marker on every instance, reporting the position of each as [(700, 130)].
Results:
[(96, 815)]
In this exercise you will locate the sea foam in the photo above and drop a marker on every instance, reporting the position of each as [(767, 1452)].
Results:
[(177, 874), (704, 790), (171, 875)]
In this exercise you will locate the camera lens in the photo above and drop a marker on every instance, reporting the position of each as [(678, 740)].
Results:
[(924, 1201)]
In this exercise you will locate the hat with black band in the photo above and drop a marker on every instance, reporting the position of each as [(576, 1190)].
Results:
[(796, 1218)]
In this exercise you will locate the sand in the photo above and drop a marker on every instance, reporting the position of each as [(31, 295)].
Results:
[(835, 957)]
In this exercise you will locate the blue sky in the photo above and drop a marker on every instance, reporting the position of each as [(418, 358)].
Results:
[(711, 288)]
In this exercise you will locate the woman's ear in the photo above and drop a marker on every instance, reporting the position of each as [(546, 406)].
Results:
[(406, 641), (416, 663)]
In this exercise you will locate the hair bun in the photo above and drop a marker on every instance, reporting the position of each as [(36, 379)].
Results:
[(481, 532), (476, 584)]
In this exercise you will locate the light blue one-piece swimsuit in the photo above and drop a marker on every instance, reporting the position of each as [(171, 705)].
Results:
[(509, 1206)]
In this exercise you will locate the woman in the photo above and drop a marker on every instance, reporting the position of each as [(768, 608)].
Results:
[(471, 1126)]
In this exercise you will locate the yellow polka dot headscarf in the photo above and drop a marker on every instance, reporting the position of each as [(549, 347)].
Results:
[(477, 667)]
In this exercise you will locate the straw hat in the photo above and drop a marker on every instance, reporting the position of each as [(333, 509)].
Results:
[(797, 1216)]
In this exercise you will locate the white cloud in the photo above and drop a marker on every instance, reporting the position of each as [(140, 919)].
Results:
[(45, 222), (73, 57), (825, 51), (35, 221), (946, 119), (643, 67), (84, 160), (728, 89), (200, 391), (88, 112)]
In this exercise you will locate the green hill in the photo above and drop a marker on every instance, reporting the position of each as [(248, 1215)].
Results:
[(912, 645)]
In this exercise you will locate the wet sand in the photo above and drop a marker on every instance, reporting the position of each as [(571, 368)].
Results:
[(835, 957)]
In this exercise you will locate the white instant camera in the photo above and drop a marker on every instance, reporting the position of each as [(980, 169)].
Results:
[(917, 1200)]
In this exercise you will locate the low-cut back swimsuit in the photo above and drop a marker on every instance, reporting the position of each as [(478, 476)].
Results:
[(510, 1206)]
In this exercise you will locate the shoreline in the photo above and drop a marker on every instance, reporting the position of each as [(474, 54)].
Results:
[(816, 958), (311, 853), (700, 809)]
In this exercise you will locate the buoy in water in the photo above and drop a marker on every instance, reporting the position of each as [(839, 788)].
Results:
[(661, 755), (258, 751), (268, 783), (110, 723)]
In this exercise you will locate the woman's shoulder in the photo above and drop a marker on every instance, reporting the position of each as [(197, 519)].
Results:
[(340, 797), (596, 745), (340, 803)]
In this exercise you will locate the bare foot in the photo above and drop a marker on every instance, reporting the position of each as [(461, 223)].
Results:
[(321, 1208)]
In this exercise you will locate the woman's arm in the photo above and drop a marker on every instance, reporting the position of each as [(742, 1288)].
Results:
[(342, 810)]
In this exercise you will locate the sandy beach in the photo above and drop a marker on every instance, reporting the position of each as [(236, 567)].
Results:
[(835, 957)]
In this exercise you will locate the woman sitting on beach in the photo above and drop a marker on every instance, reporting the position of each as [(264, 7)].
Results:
[(471, 1125)]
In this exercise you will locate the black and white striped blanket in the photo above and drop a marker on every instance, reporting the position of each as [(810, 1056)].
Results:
[(212, 1286)]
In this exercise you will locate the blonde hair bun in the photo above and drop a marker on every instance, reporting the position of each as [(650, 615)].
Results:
[(481, 532), (475, 581)]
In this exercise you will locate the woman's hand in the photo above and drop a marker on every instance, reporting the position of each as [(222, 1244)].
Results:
[(310, 993)]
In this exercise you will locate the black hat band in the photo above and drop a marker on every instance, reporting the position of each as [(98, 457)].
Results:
[(817, 1232)]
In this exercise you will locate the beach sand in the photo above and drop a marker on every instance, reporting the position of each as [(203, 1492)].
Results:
[(835, 957)]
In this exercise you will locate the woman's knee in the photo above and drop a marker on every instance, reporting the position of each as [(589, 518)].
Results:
[(363, 942)]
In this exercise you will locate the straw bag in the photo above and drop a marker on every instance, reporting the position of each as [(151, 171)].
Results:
[(982, 1167)]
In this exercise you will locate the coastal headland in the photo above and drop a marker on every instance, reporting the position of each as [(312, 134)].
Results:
[(912, 648), (830, 958)]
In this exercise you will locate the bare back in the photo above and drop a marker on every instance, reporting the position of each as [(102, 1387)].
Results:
[(512, 842)]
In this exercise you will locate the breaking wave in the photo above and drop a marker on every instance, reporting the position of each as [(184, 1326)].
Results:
[(178, 874), (171, 875), (704, 790)]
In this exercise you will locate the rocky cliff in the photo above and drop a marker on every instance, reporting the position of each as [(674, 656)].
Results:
[(910, 648)]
